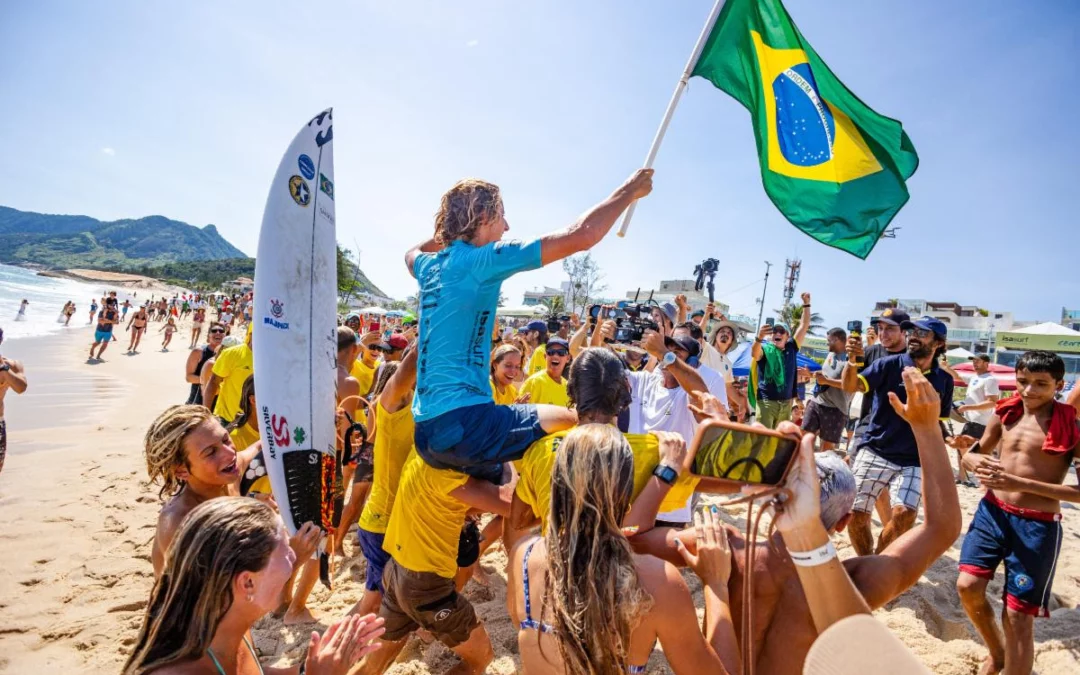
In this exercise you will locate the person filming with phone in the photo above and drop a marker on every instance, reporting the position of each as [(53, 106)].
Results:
[(888, 454), (774, 355)]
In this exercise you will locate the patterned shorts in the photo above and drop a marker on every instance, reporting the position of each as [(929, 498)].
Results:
[(873, 473)]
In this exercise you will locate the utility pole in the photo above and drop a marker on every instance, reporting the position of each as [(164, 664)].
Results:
[(792, 268), (761, 308)]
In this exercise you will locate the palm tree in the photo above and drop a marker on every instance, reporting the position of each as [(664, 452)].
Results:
[(556, 305), (792, 314)]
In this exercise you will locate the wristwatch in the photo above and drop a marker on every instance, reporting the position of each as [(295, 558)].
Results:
[(669, 358), (666, 474)]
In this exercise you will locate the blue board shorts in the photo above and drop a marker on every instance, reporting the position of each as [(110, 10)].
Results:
[(1027, 540), (477, 439), (102, 336), (371, 545)]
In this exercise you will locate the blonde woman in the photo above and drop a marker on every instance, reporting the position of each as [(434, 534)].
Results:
[(585, 603), (505, 373), (225, 570)]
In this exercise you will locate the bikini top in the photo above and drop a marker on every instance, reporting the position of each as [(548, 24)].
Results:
[(210, 653)]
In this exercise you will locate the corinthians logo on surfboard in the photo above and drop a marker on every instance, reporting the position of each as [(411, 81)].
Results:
[(277, 312)]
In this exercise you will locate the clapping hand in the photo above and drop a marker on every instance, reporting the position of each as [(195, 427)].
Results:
[(343, 645), (712, 561)]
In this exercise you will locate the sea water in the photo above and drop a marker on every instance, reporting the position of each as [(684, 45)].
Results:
[(47, 297)]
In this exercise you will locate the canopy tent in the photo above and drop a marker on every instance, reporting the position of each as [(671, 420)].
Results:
[(372, 310), (1005, 376), (395, 313), (1049, 336), (521, 310), (959, 353), (740, 360)]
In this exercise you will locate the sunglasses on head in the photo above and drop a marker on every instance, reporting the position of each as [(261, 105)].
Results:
[(557, 352)]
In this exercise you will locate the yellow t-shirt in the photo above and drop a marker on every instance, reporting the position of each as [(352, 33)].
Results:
[(536, 467), (537, 362), (393, 446), (364, 374), (542, 389), (243, 437), (506, 398), (233, 366), (426, 521)]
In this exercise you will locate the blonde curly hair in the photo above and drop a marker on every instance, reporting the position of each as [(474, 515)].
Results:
[(164, 444), (464, 208)]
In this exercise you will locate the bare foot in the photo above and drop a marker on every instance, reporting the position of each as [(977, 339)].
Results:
[(991, 667), (293, 618)]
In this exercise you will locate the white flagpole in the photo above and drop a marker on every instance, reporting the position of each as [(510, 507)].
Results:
[(690, 65)]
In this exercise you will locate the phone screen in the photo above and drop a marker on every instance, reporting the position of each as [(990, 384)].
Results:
[(743, 456)]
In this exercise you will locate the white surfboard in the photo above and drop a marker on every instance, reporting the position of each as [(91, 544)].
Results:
[(294, 323)]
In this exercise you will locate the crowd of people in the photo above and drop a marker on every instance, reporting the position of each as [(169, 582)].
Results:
[(576, 452)]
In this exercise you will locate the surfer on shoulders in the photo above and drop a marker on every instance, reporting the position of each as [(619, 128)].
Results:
[(12, 376), (460, 271), (192, 456)]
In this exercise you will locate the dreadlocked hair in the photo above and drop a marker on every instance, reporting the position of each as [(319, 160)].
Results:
[(464, 209), (597, 383), (385, 371), (592, 585), (164, 444)]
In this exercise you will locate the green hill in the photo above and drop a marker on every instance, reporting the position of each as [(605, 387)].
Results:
[(62, 242)]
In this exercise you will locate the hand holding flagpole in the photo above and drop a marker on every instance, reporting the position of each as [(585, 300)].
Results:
[(651, 157)]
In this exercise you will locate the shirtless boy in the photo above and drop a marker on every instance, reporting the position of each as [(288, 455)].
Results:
[(1019, 519), (137, 326), (12, 376), (192, 456), (103, 334)]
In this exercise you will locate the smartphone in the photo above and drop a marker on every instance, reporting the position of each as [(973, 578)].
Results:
[(770, 321), (729, 454), (854, 329)]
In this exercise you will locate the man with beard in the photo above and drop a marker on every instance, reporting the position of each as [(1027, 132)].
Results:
[(888, 454)]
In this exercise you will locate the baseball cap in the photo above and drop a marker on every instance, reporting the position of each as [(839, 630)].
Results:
[(352, 315), (928, 323), (558, 342), (697, 313), (981, 357), (685, 343), (536, 325), (782, 326), (894, 317), (397, 342)]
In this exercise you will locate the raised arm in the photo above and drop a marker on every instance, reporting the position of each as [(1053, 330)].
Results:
[(849, 377), (685, 375), (429, 246), (804, 321), (757, 349), (882, 577), (643, 511), (397, 392), (595, 224)]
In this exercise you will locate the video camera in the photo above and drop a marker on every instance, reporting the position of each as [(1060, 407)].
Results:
[(631, 320), (706, 268), (555, 322)]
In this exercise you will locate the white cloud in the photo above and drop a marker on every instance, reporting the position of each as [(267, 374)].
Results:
[(472, 43), (108, 151)]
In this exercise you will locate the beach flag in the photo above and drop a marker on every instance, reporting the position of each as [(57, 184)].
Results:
[(834, 167)]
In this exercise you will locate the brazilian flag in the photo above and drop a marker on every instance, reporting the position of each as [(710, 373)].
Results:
[(834, 167)]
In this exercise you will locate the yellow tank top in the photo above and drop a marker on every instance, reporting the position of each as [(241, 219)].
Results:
[(506, 398), (536, 467), (393, 446), (243, 437)]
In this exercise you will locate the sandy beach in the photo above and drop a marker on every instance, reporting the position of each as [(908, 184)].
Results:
[(79, 519)]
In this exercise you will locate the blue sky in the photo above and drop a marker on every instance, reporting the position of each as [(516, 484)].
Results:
[(128, 108)]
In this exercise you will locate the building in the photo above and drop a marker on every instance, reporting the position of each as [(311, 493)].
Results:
[(1070, 318), (970, 326), (547, 293), (239, 285), (670, 288)]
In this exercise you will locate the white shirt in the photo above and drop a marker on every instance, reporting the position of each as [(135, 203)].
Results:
[(715, 382), (979, 390), (655, 408), (713, 358)]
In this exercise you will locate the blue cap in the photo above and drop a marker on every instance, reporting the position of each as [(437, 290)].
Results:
[(781, 326), (928, 323), (536, 325), (557, 341)]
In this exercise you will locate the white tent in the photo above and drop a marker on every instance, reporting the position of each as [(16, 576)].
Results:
[(372, 310), (1047, 328), (958, 353)]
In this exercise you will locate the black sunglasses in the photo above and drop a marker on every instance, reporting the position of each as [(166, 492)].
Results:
[(216, 330), (557, 352)]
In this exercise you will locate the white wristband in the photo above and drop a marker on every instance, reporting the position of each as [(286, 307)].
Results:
[(813, 558)]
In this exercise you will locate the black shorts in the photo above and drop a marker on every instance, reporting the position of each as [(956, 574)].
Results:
[(828, 423)]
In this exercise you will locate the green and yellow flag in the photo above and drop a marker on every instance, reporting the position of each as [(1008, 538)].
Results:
[(834, 167)]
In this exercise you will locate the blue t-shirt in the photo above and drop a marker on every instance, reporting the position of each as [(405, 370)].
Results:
[(887, 434), (459, 291), (767, 391)]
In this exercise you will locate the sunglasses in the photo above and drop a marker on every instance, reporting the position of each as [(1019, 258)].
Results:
[(557, 352), (920, 333), (216, 330)]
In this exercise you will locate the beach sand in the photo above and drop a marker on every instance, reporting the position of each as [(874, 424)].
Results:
[(79, 518)]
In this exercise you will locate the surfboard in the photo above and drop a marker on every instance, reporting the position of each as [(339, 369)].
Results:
[(294, 325)]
